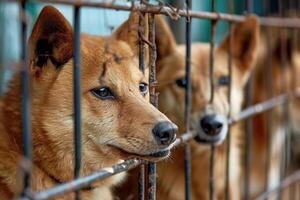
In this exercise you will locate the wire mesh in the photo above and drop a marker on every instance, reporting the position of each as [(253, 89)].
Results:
[(250, 111)]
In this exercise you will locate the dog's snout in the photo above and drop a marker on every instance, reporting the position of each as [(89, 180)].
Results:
[(211, 125), (164, 132)]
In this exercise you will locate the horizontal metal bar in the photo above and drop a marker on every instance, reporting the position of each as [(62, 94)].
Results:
[(87, 180), (166, 10), (101, 174), (293, 178), (260, 107)]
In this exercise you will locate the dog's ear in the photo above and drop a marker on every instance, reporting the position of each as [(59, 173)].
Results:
[(128, 31), (51, 39), (165, 41), (245, 39)]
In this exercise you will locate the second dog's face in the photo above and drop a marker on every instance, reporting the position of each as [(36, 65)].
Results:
[(118, 122), (209, 118)]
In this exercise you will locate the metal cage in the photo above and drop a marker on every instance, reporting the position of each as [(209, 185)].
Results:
[(165, 9)]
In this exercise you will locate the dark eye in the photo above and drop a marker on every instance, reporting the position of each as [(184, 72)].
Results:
[(103, 93), (181, 82), (224, 80), (143, 87)]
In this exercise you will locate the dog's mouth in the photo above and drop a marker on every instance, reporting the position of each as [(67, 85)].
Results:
[(209, 140), (155, 156)]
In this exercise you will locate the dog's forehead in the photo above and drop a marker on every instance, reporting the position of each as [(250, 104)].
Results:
[(105, 55)]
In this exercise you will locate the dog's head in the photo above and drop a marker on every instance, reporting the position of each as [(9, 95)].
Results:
[(208, 118), (118, 122)]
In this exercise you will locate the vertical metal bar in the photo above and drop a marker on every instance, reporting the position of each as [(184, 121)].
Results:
[(25, 103), (141, 182), (249, 6), (269, 88), (249, 128), (77, 91), (227, 177), (211, 58), (153, 99), (283, 69), (212, 89), (270, 94), (188, 95), (141, 32)]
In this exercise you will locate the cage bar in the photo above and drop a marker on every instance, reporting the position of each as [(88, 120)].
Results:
[(166, 10), (248, 127), (153, 100), (227, 170), (77, 95), (25, 104), (270, 94), (141, 182), (188, 95), (82, 182), (212, 89), (141, 33)]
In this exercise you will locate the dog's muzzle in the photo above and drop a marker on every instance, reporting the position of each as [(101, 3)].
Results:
[(213, 129)]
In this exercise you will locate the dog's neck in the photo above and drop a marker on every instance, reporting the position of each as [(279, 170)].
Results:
[(10, 114)]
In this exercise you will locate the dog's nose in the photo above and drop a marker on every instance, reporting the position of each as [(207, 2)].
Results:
[(211, 125), (164, 132)]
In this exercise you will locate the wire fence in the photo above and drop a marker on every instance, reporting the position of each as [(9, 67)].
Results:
[(144, 7)]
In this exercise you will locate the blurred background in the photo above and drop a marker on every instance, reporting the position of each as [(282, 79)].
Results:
[(102, 22)]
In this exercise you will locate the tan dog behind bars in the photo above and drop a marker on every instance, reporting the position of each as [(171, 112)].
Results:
[(208, 119), (276, 73), (118, 122)]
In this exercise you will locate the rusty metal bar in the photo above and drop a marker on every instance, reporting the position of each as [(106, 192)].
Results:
[(270, 93), (141, 33), (101, 174), (227, 170), (248, 123), (292, 179), (153, 99), (77, 96), (87, 180), (166, 10), (25, 104), (285, 119), (188, 96), (259, 108), (141, 182), (212, 89)]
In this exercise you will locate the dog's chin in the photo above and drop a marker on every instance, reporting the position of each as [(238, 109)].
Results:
[(153, 157), (203, 138)]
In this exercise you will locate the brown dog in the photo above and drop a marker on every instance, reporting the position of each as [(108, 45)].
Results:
[(209, 119), (282, 65), (118, 122)]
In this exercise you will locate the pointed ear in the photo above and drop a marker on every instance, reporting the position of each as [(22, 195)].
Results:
[(245, 39), (164, 38), (51, 38), (128, 31)]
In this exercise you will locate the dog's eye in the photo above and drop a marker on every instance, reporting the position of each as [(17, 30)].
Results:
[(181, 82), (143, 88), (103, 93), (224, 80)]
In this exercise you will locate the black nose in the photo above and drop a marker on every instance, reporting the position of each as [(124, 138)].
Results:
[(164, 132), (211, 125)]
